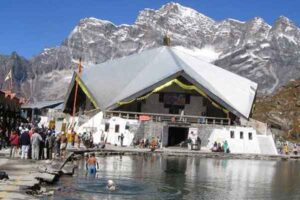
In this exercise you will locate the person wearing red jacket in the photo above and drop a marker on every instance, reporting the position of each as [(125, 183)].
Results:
[(14, 143)]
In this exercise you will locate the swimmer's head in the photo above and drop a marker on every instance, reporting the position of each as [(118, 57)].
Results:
[(111, 185)]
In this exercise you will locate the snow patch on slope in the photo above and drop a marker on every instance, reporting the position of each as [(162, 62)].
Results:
[(207, 53)]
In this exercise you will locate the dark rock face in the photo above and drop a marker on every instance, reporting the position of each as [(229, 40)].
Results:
[(281, 109), (3, 175), (20, 68), (268, 55)]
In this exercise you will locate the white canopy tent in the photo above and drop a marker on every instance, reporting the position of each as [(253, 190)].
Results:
[(129, 77)]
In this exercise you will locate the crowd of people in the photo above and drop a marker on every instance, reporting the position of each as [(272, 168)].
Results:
[(30, 142), (286, 149), (152, 143), (218, 147)]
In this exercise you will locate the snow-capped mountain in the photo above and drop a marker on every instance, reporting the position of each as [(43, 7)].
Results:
[(263, 53)]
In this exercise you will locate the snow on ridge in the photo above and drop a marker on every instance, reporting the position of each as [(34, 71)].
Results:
[(235, 20), (258, 21), (264, 45), (98, 21), (288, 37), (207, 53)]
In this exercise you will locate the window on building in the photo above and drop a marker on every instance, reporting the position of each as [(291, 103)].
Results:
[(250, 136), (161, 97), (231, 134), (187, 99), (241, 134), (106, 127), (117, 128)]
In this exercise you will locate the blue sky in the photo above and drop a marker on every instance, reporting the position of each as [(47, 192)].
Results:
[(28, 26)]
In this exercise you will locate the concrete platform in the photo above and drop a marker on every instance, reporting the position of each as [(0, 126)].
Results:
[(177, 151), (21, 174)]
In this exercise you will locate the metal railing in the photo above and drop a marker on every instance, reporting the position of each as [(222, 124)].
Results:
[(168, 117)]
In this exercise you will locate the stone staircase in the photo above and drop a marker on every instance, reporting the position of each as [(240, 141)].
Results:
[(139, 131), (266, 144)]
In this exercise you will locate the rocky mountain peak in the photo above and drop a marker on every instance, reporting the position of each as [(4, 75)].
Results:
[(284, 20), (182, 11), (284, 26), (256, 30), (267, 55), (94, 22), (258, 22), (173, 13)]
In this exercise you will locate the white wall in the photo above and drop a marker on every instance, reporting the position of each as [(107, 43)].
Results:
[(112, 135), (236, 144), (94, 123)]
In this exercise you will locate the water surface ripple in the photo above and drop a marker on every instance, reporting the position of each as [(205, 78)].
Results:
[(162, 177)]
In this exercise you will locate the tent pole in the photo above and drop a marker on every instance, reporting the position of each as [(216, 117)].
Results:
[(11, 81), (75, 94)]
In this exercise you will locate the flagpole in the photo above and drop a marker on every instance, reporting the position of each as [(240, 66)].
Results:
[(11, 81), (76, 91)]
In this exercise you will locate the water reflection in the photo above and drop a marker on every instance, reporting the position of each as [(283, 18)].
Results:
[(163, 177)]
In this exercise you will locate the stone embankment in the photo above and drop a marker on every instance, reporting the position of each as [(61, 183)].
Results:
[(205, 153), (29, 179)]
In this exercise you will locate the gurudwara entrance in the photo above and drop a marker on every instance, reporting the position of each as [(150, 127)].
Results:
[(177, 135)]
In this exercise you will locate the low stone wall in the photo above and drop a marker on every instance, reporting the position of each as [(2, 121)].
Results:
[(113, 151)]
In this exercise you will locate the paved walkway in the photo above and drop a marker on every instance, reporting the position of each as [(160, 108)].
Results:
[(21, 175), (177, 151)]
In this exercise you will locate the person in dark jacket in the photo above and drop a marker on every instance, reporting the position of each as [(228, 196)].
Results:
[(42, 145), (25, 143), (1, 138), (50, 140), (199, 142)]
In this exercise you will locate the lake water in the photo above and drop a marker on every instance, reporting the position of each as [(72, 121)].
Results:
[(162, 177)]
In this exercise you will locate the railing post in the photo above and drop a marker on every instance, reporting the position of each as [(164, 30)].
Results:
[(214, 121)]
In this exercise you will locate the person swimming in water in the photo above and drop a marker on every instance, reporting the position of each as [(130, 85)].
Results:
[(111, 186), (92, 164)]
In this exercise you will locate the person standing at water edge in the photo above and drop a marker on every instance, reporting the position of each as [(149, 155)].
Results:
[(295, 149), (122, 139), (36, 140), (286, 149), (25, 143), (91, 164), (14, 142), (42, 145), (63, 144), (225, 146), (70, 139), (57, 144), (2, 138), (50, 140), (199, 142)]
